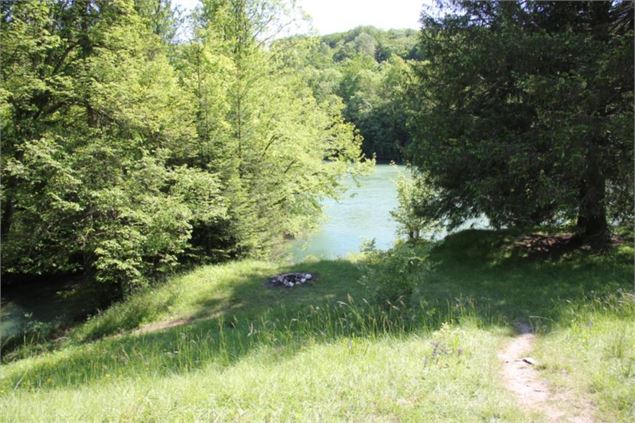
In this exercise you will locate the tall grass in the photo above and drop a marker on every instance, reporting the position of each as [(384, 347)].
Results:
[(592, 351), (341, 349), (223, 341)]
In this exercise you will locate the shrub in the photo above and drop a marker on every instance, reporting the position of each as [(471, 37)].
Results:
[(396, 272), (411, 192)]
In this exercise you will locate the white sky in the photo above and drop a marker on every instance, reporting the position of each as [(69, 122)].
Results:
[(341, 15)]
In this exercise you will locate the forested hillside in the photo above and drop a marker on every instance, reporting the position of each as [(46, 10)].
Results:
[(125, 153), (367, 68)]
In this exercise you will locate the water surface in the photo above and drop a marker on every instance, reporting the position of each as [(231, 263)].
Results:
[(361, 214)]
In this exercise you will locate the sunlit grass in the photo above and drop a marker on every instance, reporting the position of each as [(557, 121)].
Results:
[(387, 378), (592, 351), (216, 344)]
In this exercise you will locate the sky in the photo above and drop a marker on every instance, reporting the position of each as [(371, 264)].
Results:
[(330, 16)]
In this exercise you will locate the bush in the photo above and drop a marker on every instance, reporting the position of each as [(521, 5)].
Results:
[(411, 192), (34, 337), (396, 272)]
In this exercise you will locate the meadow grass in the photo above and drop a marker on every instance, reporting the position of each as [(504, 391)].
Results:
[(216, 344), (592, 350)]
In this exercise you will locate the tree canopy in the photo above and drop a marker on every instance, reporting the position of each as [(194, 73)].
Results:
[(125, 153), (523, 111), (367, 69)]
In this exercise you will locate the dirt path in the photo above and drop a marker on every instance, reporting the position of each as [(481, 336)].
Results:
[(533, 393)]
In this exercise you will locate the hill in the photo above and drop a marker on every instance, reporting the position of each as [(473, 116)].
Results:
[(366, 69)]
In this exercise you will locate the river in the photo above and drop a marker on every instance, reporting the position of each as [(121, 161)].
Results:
[(361, 214)]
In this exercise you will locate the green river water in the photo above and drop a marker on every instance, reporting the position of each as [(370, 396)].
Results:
[(361, 214)]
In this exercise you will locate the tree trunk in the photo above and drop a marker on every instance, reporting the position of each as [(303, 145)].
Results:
[(592, 224)]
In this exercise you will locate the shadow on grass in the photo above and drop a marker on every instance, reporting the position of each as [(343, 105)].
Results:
[(488, 268), (472, 275)]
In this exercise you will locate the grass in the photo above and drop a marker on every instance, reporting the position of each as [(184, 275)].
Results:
[(592, 350), (336, 350), (349, 379)]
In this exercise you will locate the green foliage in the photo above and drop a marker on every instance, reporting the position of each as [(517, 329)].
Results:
[(279, 149), (516, 110), (373, 42), (162, 18), (95, 117), (210, 348), (392, 275), (125, 154), (32, 339), (412, 193), (367, 69)]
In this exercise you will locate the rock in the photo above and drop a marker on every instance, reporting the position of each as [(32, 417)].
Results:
[(290, 280)]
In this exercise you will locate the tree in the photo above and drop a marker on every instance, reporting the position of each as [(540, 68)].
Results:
[(281, 150), (126, 153), (523, 111), (162, 18), (367, 69), (411, 190), (95, 133)]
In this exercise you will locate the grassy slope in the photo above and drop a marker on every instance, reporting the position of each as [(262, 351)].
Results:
[(323, 353), (592, 351), (581, 305)]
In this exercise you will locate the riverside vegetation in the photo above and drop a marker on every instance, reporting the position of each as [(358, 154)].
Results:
[(156, 175)]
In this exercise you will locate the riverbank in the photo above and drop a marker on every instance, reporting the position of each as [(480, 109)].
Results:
[(216, 343)]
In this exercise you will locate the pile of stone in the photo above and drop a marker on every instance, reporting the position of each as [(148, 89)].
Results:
[(289, 280)]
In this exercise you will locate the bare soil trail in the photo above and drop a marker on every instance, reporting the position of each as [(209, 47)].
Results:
[(533, 393)]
